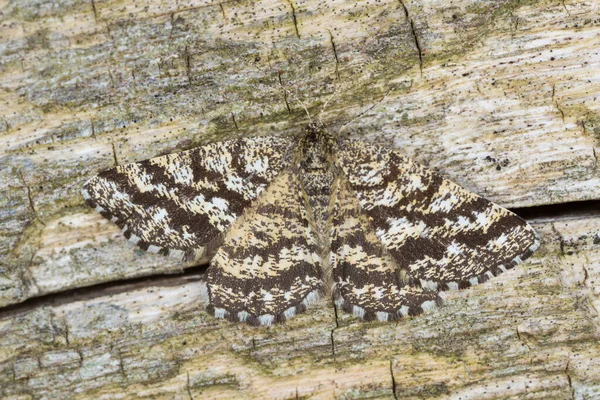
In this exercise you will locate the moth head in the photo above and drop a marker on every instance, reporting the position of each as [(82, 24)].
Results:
[(316, 146), (315, 128)]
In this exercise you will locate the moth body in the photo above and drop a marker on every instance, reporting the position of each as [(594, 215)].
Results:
[(315, 160)]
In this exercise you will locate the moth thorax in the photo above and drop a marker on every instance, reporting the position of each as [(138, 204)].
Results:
[(316, 172), (316, 147)]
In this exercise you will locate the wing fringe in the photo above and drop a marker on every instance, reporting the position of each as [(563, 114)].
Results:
[(182, 255), (484, 277), (403, 312), (267, 319)]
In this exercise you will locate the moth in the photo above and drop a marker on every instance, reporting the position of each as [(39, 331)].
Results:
[(291, 219)]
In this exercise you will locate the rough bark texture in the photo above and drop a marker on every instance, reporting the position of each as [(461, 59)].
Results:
[(500, 96)]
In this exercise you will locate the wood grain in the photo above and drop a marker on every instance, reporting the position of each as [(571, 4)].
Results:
[(501, 97)]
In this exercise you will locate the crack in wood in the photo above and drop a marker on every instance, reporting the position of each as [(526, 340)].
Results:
[(393, 380), (294, 18), (407, 18), (337, 60), (285, 96), (565, 7), (109, 34), (417, 44), (559, 211), (95, 11), (114, 152), (569, 380), (586, 305), (522, 340), (560, 110), (187, 386), (333, 343), (67, 341), (172, 21), (112, 79), (30, 198), (337, 325), (237, 128), (121, 365), (93, 128), (27, 277)]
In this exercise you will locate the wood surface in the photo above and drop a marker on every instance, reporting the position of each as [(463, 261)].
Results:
[(502, 97)]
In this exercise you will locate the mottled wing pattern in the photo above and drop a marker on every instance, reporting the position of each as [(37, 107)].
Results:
[(268, 268), (180, 204), (441, 235), (368, 283)]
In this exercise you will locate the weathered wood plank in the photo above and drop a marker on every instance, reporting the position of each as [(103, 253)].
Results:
[(501, 96), (529, 333)]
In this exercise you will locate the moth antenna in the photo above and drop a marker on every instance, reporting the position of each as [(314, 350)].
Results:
[(331, 96), (367, 110), (301, 104)]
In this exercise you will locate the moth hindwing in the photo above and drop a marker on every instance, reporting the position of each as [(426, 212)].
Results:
[(268, 269), (289, 219)]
